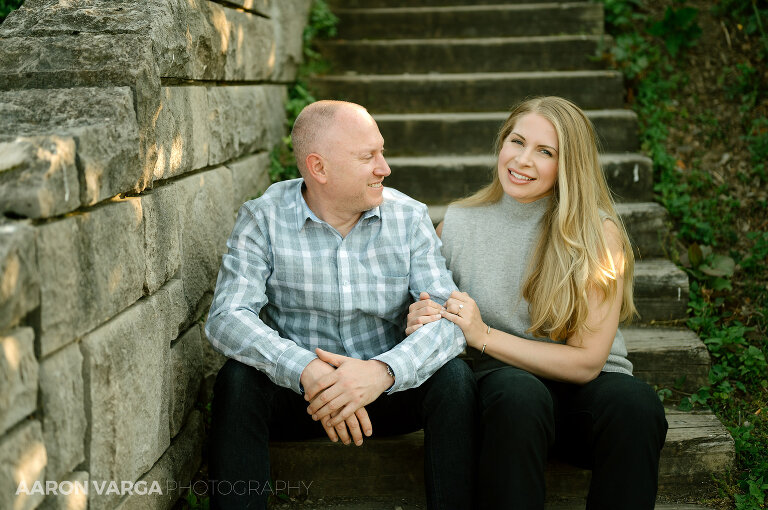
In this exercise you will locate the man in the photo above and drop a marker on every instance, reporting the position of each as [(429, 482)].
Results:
[(310, 305)]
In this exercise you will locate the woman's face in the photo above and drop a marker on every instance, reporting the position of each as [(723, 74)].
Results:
[(527, 163)]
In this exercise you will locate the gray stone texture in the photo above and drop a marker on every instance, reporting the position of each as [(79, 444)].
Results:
[(22, 459), (18, 377), (162, 235), (202, 40), (250, 177), (212, 363), (72, 496), (182, 133), (243, 120), (61, 398), (19, 278), (101, 120), (289, 18), (91, 267), (38, 176), (126, 364), (175, 469), (186, 374), (205, 211)]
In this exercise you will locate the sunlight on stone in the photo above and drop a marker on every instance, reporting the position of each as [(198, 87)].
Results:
[(248, 4), (138, 215), (177, 153), (160, 109), (11, 352), (29, 470), (272, 56), (240, 41), (222, 25), (92, 183), (78, 500), (160, 163), (10, 277), (115, 277)]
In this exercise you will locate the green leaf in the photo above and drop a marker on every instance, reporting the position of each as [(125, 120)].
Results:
[(695, 255)]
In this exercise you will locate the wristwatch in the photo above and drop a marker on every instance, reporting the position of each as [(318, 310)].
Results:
[(389, 371)]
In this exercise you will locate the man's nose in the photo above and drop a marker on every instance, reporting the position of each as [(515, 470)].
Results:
[(382, 167)]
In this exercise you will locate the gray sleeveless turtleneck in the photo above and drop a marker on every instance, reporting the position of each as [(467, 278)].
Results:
[(487, 248)]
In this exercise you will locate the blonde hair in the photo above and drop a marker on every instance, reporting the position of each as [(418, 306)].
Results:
[(571, 256)]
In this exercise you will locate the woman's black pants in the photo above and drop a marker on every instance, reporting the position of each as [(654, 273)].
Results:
[(614, 425)]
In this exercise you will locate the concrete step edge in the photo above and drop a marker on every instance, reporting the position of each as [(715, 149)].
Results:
[(469, 41), (463, 8), (491, 116), (442, 77), (475, 160)]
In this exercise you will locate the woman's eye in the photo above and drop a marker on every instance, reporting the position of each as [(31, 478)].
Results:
[(545, 151), (517, 141)]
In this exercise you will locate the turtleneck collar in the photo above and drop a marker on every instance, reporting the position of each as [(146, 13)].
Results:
[(531, 210)]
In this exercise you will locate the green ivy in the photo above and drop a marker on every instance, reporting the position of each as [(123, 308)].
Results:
[(322, 25), (6, 6), (703, 211)]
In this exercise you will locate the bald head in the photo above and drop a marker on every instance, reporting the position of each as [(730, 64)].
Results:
[(312, 125)]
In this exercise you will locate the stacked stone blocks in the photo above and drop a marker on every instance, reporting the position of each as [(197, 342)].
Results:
[(130, 133)]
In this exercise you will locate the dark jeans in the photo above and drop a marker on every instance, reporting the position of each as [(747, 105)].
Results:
[(249, 410), (613, 425)]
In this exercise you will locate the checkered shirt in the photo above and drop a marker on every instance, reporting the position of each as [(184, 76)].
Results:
[(289, 283)]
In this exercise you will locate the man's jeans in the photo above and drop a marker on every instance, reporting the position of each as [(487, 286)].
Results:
[(249, 410)]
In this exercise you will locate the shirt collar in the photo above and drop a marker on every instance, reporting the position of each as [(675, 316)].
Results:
[(305, 213)]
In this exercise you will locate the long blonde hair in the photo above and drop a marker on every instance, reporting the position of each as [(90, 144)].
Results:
[(571, 256)]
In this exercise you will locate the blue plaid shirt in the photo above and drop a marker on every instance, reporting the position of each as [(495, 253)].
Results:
[(289, 283)]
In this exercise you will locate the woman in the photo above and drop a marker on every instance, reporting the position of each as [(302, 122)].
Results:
[(547, 267)]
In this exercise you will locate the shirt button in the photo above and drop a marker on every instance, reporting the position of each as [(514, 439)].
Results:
[(346, 284)]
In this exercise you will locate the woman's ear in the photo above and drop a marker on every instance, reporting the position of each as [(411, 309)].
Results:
[(316, 168)]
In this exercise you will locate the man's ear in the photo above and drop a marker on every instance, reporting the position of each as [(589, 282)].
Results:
[(316, 168)]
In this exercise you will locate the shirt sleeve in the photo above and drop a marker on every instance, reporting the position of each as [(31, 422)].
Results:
[(422, 353), (234, 327)]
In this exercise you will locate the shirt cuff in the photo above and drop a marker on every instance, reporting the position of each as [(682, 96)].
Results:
[(404, 370), (290, 365)]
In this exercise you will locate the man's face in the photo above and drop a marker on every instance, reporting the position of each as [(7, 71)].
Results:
[(355, 162)]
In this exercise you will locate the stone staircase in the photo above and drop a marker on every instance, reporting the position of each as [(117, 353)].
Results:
[(439, 77)]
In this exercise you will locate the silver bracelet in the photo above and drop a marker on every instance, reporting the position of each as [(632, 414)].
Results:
[(487, 332)]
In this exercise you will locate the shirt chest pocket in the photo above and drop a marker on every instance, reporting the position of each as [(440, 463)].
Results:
[(380, 295)]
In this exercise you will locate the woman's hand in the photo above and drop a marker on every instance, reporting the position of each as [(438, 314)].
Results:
[(422, 312), (463, 311)]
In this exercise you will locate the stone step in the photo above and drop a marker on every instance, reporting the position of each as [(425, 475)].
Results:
[(661, 291), (697, 447), (507, 20), (429, 134), (478, 92), (646, 224), (486, 55), (415, 503), (439, 180), (352, 4), (668, 357)]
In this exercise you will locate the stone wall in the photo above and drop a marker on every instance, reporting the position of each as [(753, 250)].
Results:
[(130, 133)]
